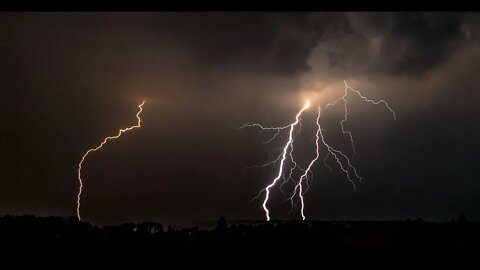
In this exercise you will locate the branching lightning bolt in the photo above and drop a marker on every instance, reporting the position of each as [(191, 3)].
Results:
[(340, 157), (331, 151), (337, 154), (277, 129), (304, 176), (283, 155), (120, 132), (371, 101), (280, 170), (345, 118)]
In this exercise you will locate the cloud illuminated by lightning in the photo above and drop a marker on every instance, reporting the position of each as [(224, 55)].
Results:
[(120, 132)]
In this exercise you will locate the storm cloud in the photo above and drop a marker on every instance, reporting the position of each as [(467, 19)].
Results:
[(69, 79)]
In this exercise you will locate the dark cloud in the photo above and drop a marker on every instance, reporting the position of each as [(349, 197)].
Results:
[(256, 41), (428, 40), (398, 44)]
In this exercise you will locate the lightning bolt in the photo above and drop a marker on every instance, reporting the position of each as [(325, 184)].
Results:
[(277, 129), (120, 132), (282, 156), (304, 176), (345, 117), (345, 106), (280, 170), (292, 160), (371, 101), (325, 162), (340, 157)]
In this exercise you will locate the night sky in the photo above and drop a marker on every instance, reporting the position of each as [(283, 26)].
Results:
[(68, 80)]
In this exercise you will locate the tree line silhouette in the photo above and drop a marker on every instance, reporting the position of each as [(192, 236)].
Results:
[(31, 237)]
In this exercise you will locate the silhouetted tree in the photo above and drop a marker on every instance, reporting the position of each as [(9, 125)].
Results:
[(462, 218), (221, 225)]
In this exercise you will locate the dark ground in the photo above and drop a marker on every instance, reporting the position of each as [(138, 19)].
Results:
[(28, 237)]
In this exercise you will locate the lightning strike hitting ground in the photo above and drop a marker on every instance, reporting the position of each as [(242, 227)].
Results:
[(299, 185), (283, 155), (341, 158), (120, 132)]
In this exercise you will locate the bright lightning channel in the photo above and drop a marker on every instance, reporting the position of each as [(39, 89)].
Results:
[(280, 170), (282, 156), (299, 185), (120, 132)]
